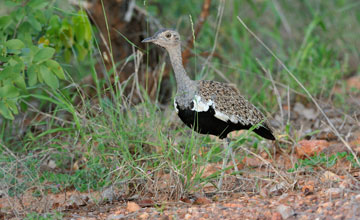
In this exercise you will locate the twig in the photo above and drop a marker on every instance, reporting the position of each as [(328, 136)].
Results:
[(288, 103), (137, 61), (303, 87), (267, 163), (276, 91), (282, 17), (201, 20), (130, 11), (219, 19)]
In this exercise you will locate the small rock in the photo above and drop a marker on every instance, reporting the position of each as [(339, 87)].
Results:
[(115, 217), (108, 194), (285, 211), (357, 197), (277, 189), (145, 215), (233, 205), (330, 176), (264, 192), (354, 82), (202, 201), (51, 164), (2, 193), (308, 113), (310, 147), (276, 216), (334, 192), (77, 200), (345, 184), (319, 210), (355, 144), (327, 205), (146, 203), (132, 207), (308, 188), (187, 216)]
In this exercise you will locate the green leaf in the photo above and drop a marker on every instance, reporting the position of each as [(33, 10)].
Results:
[(32, 73), (34, 23), (9, 91), (43, 54), (8, 73), (86, 25), (14, 44), (5, 21), (12, 106), (82, 52), (66, 33), (20, 82), (79, 28), (4, 111), (67, 55), (49, 78), (38, 4), (56, 68)]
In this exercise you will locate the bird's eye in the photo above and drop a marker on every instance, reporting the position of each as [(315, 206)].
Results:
[(168, 35)]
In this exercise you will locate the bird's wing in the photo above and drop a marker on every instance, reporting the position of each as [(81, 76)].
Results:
[(227, 102)]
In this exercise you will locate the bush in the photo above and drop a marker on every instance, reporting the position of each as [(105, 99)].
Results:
[(33, 39)]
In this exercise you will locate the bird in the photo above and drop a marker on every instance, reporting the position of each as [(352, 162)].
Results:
[(210, 107)]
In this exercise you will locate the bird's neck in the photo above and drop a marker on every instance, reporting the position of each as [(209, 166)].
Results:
[(184, 83)]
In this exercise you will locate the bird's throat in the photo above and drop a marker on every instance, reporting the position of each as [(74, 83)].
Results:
[(184, 83)]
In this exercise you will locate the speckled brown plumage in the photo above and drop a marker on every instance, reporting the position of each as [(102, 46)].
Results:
[(227, 100)]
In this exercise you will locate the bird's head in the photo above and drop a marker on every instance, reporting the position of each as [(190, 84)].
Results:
[(166, 38)]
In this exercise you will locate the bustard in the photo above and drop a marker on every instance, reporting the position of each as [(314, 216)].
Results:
[(209, 107)]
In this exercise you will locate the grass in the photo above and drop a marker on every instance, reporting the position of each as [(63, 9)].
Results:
[(322, 160), (105, 141)]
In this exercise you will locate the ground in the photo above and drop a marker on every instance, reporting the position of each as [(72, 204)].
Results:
[(105, 143)]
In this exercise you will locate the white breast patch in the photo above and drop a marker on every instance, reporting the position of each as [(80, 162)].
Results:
[(221, 116), (175, 107), (200, 106)]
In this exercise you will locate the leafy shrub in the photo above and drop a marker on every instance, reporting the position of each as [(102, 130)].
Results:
[(33, 38)]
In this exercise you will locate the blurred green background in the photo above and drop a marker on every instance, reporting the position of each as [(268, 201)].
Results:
[(63, 101)]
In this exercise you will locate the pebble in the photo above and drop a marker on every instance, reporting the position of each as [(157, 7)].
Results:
[(285, 211), (145, 215), (188, 216), (334, 192), (330, 176), (108, 194), (115, 217), (357, 197), (132, 207), (327, 205), (276, 216)]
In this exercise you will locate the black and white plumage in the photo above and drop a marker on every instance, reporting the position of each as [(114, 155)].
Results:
[(218, 109), (209, 107)]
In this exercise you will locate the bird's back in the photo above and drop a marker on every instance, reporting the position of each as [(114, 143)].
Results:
[(220, 106)]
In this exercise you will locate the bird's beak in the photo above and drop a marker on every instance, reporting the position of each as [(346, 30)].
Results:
[(148, 40)]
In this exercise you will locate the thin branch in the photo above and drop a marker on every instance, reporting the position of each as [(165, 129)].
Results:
[(201, 20), (276, 91)]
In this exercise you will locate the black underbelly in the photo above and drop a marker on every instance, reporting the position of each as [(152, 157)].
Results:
[(207, 123)]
